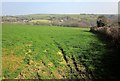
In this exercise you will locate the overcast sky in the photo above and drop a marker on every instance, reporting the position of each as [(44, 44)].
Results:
[(76, 7)]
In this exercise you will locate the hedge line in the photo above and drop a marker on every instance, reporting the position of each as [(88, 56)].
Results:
[(111, 33)]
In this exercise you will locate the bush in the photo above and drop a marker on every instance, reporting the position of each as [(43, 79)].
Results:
[(111, 33), (101, 21)]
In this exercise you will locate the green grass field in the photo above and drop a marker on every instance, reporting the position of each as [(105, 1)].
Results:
[(49, 52)]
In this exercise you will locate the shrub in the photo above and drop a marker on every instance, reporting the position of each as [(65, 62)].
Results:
[(111, 33), (101, 21)]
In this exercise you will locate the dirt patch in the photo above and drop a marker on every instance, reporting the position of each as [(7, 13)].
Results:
[(11, 62)]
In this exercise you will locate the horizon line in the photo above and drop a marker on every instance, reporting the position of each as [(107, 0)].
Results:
[(63, 14)]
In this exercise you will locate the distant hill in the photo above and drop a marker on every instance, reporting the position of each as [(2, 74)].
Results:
[(74, 20)]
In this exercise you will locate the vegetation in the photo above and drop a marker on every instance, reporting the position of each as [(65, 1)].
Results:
[(44, 21), (51, 52), (101, 21), (66, 20), (110, 32), (43, 47)]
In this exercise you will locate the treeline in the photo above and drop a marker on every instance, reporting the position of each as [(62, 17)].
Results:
[(70, 20), (110, 31), (57, 20)]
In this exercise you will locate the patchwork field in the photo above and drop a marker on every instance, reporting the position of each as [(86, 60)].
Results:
[(50, 52), (43, 21)]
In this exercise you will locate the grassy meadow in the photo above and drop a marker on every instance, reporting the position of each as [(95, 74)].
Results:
[(50, 52)]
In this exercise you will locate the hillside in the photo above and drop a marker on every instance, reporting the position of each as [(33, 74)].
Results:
[(67, 20)]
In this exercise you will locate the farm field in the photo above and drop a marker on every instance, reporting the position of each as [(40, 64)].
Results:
[(50, 52)]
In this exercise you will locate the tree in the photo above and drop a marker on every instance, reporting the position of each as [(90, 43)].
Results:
[(101, 21)]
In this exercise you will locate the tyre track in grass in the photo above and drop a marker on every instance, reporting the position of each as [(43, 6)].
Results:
[(64, 56), (76, 69), (80, 68)]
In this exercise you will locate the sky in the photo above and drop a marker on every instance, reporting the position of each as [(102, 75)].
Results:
[(60, 0), (24, 8)]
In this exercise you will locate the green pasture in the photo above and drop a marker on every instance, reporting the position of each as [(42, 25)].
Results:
[(30, 51)]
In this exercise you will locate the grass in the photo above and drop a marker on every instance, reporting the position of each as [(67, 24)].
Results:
[(49, 51)]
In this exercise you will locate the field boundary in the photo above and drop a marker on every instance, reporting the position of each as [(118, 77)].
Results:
[(111, 34)]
